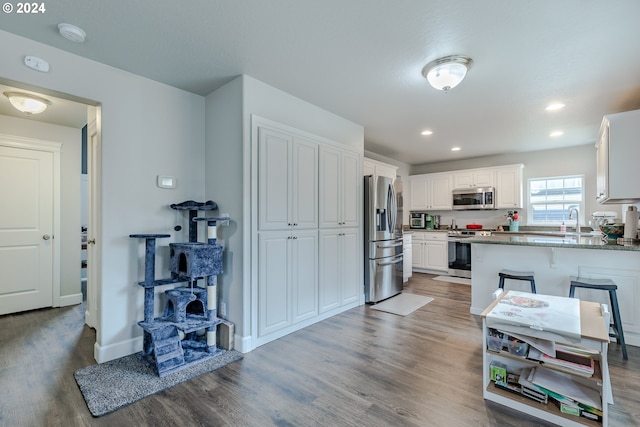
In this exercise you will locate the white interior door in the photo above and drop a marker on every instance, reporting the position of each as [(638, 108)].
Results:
[(27, 188), (93, 218)]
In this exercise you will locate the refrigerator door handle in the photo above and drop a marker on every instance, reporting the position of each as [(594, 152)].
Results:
[(396, 260), (394, 245)]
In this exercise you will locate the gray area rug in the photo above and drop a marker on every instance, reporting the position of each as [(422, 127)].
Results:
[(112, 385), (402, 304)]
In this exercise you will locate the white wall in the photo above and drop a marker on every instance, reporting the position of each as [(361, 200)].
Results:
[(537, 164), (229, 165), (148, 128), (70, 158)]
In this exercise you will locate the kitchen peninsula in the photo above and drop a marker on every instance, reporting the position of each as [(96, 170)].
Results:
[(554, 258)]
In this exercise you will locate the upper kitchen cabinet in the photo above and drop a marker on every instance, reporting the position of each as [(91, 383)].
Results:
[(617, 149), (430, 191), (339, 188), (287, 181), (474, 178), (374, 167), (509, 183)]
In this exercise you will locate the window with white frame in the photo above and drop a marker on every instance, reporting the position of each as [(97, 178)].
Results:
[(550, 199)]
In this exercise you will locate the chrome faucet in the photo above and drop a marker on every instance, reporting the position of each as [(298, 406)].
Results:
[(571, 211)]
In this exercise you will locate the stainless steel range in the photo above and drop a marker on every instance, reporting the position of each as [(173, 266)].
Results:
[(460, 251)]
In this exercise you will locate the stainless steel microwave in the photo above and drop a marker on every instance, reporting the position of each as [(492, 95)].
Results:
[(474, 198)]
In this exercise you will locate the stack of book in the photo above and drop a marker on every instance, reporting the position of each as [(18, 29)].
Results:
[(571, 360)]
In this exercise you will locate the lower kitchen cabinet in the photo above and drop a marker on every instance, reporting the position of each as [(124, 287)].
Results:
[(339, 268), (287, 278), (430, 251), (407, 258)]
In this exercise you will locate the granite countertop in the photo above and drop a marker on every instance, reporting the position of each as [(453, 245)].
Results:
[(553, 240)]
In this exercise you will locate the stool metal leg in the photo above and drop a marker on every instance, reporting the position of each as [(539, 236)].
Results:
[(617, 323)]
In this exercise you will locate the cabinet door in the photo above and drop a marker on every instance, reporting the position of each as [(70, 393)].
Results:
[(351, 184), (441, 198), (351, 286), (602, 164), (368, 168), (274, 295), (330, 275), (484, 178), (436, 255), (273, 179), (388, 171), (418, 192), (330, 188), (509, 188), (418, 254), (304, 184), (303, 267), (463, 180)]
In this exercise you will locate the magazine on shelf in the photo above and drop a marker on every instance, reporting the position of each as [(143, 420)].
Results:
[(547, 317)]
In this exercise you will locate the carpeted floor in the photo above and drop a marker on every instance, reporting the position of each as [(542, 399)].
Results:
[(112, 385), (402, 304)]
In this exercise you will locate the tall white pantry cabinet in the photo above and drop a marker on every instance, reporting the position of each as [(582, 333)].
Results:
[(309, 237)]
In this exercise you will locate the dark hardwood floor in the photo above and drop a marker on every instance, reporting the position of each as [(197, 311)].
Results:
[(360, 368)]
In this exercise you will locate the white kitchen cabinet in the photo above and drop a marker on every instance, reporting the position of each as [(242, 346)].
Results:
[(287, 181), (430, 251), (287, 278), (430, 192), (339, 188), (593, 336), (374, 167), (340, 268), (617, 153), (407, 257), (509, 183), (474, 178)]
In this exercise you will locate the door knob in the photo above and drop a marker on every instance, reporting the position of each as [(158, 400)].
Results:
[(46, 237)]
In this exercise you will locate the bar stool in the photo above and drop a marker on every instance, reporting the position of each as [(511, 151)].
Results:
[(604, 285), (517, 275)]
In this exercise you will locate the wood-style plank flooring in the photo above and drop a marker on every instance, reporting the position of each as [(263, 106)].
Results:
[(360, 368)]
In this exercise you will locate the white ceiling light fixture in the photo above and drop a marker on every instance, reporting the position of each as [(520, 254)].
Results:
[(27, 103), (71, 32), (455, 149), (555, 107), (426, 132), (448, 72), (556, 133)]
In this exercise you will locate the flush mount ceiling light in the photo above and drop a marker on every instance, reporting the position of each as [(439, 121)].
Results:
[(426, 132), (447, 73), (555, 107), (27, 103), (71, 32), (556, 133)]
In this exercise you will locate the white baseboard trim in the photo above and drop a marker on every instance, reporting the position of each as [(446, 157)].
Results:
[(242, 344), (114, 351)]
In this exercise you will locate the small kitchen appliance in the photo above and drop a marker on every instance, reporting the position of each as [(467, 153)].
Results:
[(428, 222), (417, 220)]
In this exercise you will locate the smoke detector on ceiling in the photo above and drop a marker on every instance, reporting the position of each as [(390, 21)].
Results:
[(71, 32)]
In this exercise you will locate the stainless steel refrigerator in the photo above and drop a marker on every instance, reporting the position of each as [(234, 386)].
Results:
[(382, 239)]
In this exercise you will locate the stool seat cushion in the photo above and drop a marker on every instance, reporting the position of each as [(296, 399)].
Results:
[(583, 282), (512, 274)]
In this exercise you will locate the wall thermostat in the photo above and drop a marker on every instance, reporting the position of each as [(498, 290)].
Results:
[(165, 181)]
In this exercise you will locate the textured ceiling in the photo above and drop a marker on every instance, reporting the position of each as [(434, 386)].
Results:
[(361, 59)]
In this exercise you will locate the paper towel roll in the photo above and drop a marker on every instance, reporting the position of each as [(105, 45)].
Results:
[(631, 223)]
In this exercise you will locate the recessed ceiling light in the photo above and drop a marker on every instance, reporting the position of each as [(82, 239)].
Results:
[(71, 32), (555, 107), (455, 149), (426, 132), (556, 133)]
